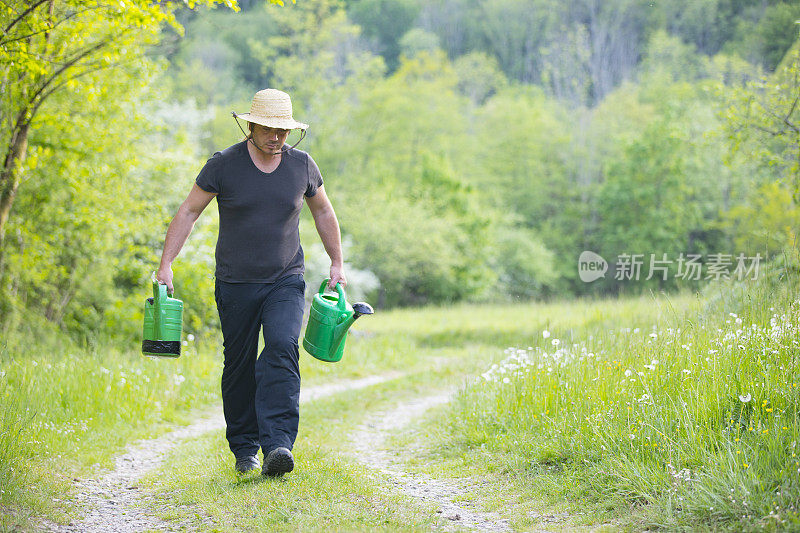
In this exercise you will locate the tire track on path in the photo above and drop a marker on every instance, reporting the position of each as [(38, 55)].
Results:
[(368, 441), (114, 502)]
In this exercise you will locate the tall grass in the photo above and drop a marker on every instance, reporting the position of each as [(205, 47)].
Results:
[(17, 450), (64, 409), (693, 420)]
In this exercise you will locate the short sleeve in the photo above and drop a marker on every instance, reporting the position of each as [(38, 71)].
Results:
[(208, 179), (314, 178)]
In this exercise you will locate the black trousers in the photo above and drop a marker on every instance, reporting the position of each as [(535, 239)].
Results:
[(261, 393)]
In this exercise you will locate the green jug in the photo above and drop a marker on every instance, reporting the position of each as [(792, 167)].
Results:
[(328, 321), (163, 324)]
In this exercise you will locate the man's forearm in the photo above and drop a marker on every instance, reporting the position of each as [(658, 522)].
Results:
[(328, 229), (177, 233)]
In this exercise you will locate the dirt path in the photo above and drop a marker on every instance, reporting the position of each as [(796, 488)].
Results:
[(113, 502), (368, 443)]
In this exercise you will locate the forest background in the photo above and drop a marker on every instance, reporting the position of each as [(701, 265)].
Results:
[(472, 148)]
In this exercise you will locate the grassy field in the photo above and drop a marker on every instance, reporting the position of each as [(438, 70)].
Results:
[(685, 423), (435, 349), (65, 409), (676, 412)]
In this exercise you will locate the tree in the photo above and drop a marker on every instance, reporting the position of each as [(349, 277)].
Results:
[(764, 120), (50, 47), (768, 222), (414, 220), (384, 22)]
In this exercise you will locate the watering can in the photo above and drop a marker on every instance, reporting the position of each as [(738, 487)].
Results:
[(163, 323), (328, 321)]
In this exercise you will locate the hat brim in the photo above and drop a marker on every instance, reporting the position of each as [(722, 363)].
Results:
[(273, 122)]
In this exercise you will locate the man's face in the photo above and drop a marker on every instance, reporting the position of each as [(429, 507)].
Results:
[(270, 139)]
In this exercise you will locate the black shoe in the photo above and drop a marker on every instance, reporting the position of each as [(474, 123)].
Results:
[(278, 462), (246, 464)]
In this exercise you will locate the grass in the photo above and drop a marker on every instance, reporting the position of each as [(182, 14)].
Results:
[(75, 409), (689, 422), (435, 349), (78, 408), (573, 427), (327, 490)]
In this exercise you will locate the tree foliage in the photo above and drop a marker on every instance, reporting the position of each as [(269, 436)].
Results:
[(53, 46), (472, 149), (764, 119)]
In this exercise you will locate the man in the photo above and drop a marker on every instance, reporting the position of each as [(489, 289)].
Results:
[(260, 185)]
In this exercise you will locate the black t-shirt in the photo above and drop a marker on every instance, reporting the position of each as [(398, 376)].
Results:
[(259, 213)]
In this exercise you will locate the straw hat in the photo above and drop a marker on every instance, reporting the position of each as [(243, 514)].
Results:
[(272, 108)]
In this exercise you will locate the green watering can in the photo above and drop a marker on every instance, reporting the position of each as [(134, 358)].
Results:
[(328, 321), (163, 323)]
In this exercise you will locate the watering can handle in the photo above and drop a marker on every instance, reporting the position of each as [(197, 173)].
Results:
[(159, 289), (342, 298)]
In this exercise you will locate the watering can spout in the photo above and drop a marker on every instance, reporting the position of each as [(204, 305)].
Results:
[(362, 308), (359, 308)]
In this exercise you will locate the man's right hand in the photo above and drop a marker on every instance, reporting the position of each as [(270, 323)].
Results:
[(164, 275)]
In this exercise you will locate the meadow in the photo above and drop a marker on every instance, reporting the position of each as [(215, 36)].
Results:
[(686, 423), (676, 412)]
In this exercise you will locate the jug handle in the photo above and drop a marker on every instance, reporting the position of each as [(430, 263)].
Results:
[(342, 303), (159, 289)]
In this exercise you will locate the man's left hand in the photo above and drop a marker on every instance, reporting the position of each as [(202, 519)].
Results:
[(337, 276)]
